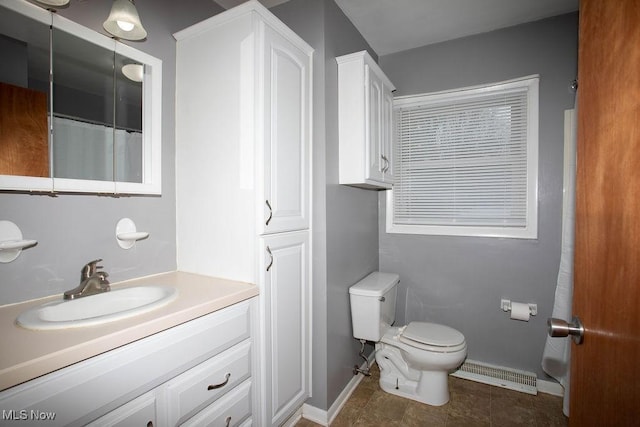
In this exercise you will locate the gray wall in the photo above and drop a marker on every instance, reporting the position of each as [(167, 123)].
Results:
[(15, 62), (74, 229), (352, 217), (345, 219), (459, 281)]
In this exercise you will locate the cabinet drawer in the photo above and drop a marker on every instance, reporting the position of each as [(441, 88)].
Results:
[(139, 412), (200, 386), (232, 409)]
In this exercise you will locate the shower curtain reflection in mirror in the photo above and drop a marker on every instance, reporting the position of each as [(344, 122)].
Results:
[(96, 152)]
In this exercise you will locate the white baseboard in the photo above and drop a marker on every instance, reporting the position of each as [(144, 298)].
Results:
[(293, 419), (550, 387), (325, 418), (314, 414)]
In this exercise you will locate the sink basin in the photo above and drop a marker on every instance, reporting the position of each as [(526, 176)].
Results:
[(97, 309)]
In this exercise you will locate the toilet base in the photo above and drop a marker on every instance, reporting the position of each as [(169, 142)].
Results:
[(409, 392), (397, 377)]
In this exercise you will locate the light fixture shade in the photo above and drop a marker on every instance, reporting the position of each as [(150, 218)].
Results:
[(123, 15), (134, 72), (54, 3)]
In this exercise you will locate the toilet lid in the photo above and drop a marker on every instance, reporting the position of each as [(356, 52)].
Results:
[(432, 334)]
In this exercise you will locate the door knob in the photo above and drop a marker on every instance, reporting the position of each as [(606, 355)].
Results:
[(560, 328)]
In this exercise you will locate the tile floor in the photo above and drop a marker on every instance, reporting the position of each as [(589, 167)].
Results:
[(472, 404)]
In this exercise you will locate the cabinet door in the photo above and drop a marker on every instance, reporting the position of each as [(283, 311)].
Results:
[(373, 124), (387, 153), (286, 148), (286, 312)]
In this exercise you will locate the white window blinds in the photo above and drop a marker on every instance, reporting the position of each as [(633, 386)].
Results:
[(466, 161)]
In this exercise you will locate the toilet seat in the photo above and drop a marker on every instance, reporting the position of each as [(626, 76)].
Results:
[(432, 337)]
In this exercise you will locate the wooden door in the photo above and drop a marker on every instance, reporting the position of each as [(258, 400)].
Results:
[(24, 143), (605, 372)]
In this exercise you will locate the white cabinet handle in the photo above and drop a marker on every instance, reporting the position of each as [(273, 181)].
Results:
[(270, 212), (271, 255)]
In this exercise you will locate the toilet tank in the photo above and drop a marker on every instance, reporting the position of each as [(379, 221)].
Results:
[(373, 305)]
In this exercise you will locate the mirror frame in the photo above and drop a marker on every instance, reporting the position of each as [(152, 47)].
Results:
[(151, 117)]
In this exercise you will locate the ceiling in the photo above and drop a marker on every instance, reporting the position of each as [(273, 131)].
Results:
[(395, 25), (228, 4)]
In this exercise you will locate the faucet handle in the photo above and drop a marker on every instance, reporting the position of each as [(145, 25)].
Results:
[(90, 269)]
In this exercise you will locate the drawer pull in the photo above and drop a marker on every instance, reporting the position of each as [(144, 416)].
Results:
[(222, 384), (228, 421)]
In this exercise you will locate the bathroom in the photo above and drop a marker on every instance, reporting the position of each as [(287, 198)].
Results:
[(457, 281)]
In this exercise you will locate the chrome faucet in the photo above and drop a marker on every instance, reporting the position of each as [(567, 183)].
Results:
[(92, 281)]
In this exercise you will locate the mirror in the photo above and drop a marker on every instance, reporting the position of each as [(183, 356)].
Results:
[(83, 108), (24, 96), (102, 107)]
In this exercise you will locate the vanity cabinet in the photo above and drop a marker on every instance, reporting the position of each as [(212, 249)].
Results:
[(365, 122), (164, 379), (243, 143)]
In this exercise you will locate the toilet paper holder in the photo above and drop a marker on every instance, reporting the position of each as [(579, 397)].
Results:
[(505, 304)]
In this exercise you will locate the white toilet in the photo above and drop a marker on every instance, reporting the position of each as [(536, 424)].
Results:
[(415, 359)]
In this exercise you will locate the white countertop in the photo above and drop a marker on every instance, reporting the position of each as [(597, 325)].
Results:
[(27, 354)]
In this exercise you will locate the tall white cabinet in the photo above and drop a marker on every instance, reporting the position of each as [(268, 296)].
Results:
[(243, 145)]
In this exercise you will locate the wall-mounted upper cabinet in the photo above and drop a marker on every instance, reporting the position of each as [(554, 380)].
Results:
[(365, 111), (79, 111)]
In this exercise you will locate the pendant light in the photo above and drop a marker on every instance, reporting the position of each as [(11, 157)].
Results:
[(124, 22)]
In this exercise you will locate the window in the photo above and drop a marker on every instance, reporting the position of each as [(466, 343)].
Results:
[(466, 162)]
